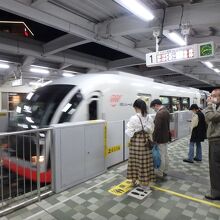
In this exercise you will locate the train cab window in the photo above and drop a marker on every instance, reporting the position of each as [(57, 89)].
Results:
[(166, 102), (176, 104), (38, 108), (184, 103), (70, 107)]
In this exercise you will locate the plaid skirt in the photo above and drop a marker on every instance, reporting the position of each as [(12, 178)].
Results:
[(140, 161)]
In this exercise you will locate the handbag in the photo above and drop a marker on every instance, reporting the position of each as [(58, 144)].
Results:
[(149, 140), (156, 156)]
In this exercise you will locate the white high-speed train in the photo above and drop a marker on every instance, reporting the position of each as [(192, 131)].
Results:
[(107, 96), (99, 96)]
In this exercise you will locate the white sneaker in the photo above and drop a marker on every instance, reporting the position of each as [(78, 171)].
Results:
[(145, 188)]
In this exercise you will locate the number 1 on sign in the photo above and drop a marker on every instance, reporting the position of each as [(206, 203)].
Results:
[(150, 59)]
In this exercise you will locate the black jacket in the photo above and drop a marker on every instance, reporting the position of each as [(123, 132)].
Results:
[(199, 132)]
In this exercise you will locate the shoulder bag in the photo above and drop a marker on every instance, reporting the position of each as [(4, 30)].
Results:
[(146, 138)]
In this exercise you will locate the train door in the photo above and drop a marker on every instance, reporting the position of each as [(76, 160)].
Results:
[(94, 106)]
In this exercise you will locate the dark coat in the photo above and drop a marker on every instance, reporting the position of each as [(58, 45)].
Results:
[(161, 134), (199, 132)]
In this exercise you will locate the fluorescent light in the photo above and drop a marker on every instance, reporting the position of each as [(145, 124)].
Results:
[(208, 64), (39, 70), (34, 83), (39, 84), (175, 37), (216, 70), (65, 74), (4, 66), (137, 8)]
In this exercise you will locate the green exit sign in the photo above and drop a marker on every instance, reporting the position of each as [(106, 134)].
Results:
[(206, 49)]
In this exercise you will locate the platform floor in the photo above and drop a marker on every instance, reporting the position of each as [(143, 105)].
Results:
[(91, 200)]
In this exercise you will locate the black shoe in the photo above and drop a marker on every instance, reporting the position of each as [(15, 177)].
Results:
[(164, 174), (187, 160), (210, 197), (196, 159)]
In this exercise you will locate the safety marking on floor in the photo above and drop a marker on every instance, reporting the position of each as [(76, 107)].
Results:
[(187, 197), (69, 198), (121, 188), (139, 193)]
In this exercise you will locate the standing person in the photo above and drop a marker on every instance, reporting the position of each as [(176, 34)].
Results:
[(161, 134), (140, 162), (198, 134), (212, 116)]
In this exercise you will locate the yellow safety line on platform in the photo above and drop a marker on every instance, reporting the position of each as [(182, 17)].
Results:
[(186, 197)]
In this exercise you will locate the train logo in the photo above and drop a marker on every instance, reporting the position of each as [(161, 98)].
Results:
[(115, 99)]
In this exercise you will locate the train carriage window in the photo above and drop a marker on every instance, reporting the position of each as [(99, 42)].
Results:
[(93, 114), (195, 100), (94, 106), (203, 97), (70, 107), (176, 104), (166, 102), (145, 97), (184, 103)]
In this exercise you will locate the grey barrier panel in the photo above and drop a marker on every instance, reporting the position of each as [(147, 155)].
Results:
[(183, 124), (78, 152)]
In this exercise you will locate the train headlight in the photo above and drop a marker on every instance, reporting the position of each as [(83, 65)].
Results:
[(34, 159)]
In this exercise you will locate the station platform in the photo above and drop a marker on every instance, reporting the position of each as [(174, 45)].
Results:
[(180, 196)]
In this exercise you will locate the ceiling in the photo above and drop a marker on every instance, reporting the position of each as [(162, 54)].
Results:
[(98, 35)]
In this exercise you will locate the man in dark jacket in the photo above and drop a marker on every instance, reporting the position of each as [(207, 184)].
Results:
[(161, 134), (198, 134)]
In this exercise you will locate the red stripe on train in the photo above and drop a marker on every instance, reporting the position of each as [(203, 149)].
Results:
[(28, 173)]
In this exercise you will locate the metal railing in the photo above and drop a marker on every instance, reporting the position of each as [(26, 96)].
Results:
[(25, 167)]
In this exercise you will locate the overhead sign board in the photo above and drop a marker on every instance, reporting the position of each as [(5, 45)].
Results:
[(195, 51)]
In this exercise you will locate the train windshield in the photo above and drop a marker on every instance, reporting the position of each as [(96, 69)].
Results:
[(38, 108)]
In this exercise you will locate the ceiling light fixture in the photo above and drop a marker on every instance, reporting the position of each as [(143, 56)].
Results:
[(216, 70), (39, 70), (4, 66), (175, 37), (137, 8), (208, 64), (67, 74)]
